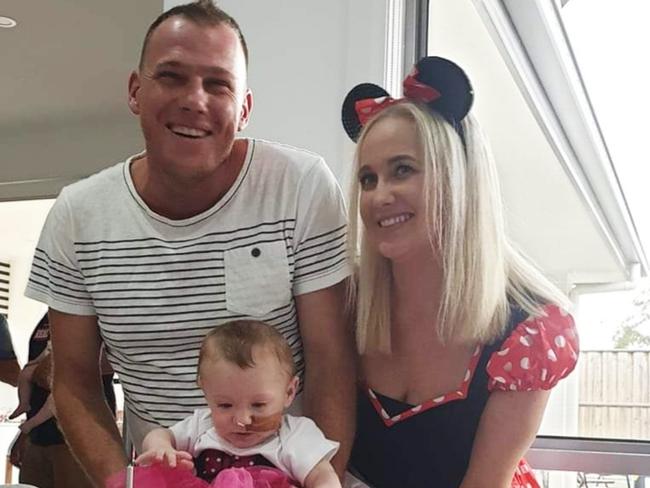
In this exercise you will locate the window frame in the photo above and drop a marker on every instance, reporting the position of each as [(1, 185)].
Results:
[(612, 456)]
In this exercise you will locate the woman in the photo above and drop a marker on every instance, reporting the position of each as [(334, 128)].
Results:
[(460, 337)]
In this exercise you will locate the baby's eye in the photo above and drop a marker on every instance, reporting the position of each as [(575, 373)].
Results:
[(367, 181), (259, 405), (224, 406)]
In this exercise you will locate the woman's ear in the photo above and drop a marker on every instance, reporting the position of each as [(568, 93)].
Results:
[(292, 390)]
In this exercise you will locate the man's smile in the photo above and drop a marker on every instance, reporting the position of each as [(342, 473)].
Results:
[(191, 132)]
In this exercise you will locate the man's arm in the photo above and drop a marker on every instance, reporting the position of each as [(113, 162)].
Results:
[(82, 412), (9, 371), (330, 376), (9, 367)]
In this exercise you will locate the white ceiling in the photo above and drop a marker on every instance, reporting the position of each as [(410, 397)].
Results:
[(69, 58), (64, 70)]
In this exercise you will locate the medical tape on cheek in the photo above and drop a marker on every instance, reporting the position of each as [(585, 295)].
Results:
[(264, 424)]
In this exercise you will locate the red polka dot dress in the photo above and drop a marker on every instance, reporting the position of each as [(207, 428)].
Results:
[(398, 444)]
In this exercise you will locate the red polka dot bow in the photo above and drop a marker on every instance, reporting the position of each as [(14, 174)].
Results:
[(413, 90)]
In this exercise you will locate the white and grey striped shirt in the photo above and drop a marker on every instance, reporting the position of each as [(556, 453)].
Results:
[(158, 285)]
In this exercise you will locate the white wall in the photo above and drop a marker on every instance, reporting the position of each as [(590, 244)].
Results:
[(304, 58), (22, 223)]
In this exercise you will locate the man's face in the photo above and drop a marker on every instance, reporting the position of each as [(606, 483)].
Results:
[(191, 97)]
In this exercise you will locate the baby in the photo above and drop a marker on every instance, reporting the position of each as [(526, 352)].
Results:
[(248, 376)]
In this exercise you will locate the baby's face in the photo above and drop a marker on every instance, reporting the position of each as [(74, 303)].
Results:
[(236, 395)]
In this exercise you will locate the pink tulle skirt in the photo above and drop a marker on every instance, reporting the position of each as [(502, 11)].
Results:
[(158, 476)]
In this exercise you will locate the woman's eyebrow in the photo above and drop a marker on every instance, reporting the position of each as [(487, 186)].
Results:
[(400, 157)]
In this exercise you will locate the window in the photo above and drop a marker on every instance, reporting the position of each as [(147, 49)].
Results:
[(560, 93), (609, 41)]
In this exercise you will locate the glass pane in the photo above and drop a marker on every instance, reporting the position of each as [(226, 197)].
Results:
[(609, 40), (608, 396), (614, 395)]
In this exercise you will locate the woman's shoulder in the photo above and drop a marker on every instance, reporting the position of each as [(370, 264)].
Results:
[(539, 350)]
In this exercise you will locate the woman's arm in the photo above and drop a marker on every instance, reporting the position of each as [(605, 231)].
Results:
[(506, 430)]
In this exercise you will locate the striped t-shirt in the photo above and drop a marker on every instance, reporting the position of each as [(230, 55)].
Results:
[(157, 286)]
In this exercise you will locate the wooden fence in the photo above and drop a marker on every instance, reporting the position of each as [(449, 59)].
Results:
[(614, 399)]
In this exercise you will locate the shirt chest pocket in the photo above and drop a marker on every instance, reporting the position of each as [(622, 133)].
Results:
[(257, 278)]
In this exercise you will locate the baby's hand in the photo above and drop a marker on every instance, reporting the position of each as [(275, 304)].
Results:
[(167, 456)]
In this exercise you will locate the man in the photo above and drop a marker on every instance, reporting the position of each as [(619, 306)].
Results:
[(201, 228)]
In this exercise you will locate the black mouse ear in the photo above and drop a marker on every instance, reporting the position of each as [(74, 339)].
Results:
[(454, 93), (349, 115)]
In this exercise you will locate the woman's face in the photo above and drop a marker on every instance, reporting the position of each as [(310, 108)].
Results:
[(391, 180)]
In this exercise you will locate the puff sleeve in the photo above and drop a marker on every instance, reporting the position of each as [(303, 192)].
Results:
[(538, 353)]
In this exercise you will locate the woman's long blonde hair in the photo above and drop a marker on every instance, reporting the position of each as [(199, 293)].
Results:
[(482, 271)]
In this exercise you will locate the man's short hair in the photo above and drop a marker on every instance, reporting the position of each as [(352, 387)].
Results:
[(234, 342), (201, 12)]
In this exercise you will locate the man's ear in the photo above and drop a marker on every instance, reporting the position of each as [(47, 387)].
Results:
[(134, 86), (292, 390), (247, 108)]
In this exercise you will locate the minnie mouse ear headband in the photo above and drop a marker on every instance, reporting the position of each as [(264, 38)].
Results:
[(437, 82)]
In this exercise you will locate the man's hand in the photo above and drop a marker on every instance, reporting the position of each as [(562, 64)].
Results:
[(17, 450)]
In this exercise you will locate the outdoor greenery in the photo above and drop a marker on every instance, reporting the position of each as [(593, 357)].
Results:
[(634, 331)]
